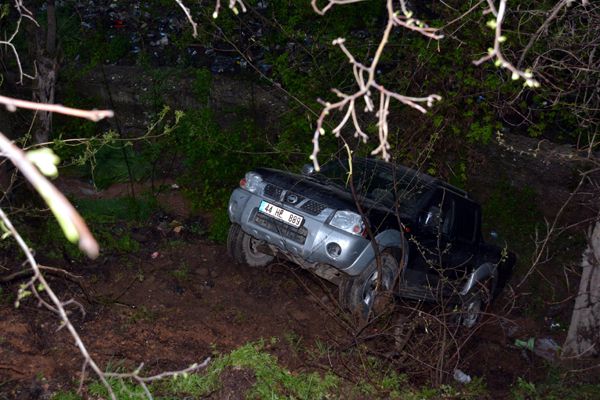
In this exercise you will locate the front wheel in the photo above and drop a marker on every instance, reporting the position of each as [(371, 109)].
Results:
[(358, 293), (244, 249)]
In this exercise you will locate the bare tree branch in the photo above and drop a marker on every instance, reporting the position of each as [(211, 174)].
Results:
[(233, 6), (62, 209), (93, 115), (544, 27), (142, 381), (189, 17), (24, 13), (365, 78)]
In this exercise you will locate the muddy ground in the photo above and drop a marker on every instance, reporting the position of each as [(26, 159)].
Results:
[(169, 312), (181, 299), (181, 307)]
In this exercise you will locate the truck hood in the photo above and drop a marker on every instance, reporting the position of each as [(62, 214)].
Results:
[(329, 194)]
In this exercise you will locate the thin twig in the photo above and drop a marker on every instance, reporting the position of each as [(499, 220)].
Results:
[(495, 53)]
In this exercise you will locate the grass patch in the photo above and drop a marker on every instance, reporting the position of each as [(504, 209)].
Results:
[(272, 380), (554, 389), (66, 396), (143, 314), (181, 273)]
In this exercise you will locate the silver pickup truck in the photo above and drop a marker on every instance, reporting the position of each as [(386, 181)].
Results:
[(421, 234)]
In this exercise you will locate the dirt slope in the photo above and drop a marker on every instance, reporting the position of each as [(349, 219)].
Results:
[(168, 312)]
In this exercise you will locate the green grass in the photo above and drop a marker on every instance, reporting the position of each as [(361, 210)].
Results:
[(182, 272), (272, 380), (555, 387), (143, 314), (276, 382)]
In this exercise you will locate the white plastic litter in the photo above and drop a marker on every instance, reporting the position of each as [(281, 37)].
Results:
[(460, 376)]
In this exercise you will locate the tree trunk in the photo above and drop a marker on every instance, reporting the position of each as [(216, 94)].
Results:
[(583, 339), (47, 69)]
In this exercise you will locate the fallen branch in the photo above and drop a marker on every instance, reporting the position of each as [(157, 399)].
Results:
[(142, 381)]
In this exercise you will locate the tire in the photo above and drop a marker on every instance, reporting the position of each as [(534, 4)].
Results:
[(357, 294), (475, 303), (243, 248)]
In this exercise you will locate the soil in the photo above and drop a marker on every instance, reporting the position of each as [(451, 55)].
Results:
[(168, 312), (146, 309), (179, 300)]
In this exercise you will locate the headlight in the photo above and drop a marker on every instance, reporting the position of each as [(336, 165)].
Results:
[(252, 182), (348, 221)]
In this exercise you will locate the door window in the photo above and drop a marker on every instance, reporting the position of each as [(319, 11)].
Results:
[(440, 215)]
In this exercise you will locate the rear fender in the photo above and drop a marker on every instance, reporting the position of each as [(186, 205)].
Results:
[(483, 272)]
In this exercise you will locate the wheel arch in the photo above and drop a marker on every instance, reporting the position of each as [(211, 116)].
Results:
[(392, 240), (480, 274)]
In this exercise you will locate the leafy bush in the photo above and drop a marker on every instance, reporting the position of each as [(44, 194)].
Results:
[(513, 212), (109, 220)]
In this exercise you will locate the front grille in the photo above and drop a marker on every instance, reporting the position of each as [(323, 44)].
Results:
[(298, 235), (313, 207), (273, 191)]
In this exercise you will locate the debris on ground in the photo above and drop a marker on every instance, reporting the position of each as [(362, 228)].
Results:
[(461, 377), (546, 348)]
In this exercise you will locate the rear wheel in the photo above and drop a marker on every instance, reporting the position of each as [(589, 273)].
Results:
[(244, 248), (475, 304), (357, 294)]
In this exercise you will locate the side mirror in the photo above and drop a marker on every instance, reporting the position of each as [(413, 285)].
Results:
[(308, 169)]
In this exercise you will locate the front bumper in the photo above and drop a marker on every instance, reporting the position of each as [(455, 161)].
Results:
[(309, 242)]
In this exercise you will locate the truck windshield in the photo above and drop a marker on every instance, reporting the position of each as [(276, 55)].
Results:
[(376, 180)]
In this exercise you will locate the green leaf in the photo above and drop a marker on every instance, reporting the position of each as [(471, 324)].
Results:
[(45, 160)]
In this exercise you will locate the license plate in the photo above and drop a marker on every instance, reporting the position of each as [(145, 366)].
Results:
[(280, 214)]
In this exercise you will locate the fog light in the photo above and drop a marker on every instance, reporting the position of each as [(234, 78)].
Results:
[(334, 250)]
